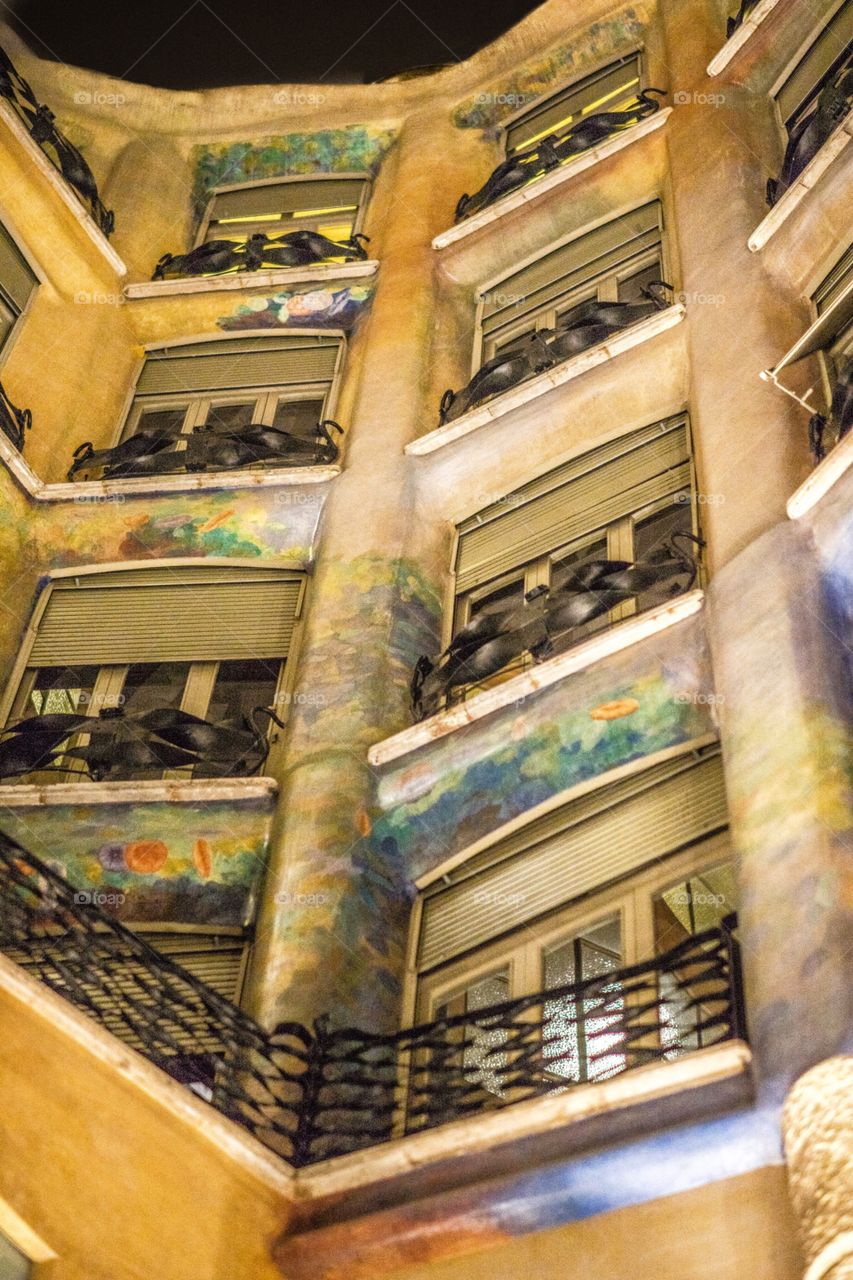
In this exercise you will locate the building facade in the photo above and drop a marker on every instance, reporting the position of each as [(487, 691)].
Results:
[(449, 608)]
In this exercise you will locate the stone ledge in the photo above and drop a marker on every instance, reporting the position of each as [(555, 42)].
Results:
[(244, 280), (134, 486), (177, 791), (821, 480), (742, 36), (570, 369), (540, 676), (66, 193), (556, 178), (809, 178)]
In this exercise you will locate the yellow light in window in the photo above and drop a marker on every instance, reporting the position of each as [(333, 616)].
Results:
[(321, 213), (336, 230), (253, 217), (622, 88)]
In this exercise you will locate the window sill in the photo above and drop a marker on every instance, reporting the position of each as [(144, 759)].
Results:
[(190, 791), (706, 1082), (66, 193), (742, 36), (252, 279), (821, 480), (809, 178), (540, 186), (540, 676), (134, 486), (638, 333)]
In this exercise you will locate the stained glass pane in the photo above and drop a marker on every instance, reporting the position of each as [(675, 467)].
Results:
[(581, 1036)]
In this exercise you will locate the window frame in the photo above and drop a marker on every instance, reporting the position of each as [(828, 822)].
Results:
[(457, 605), (781, 80), (604, 287), (632, 897), (842, 342), (636, 50), (198, 403), (20, 317), (19, 685), (358, 221)]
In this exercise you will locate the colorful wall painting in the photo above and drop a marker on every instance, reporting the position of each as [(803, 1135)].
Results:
[(200, 862), (353, 149), (588, 49), (314, 309), (445, 796)]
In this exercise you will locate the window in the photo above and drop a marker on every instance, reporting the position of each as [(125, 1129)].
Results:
[(284, 381), (600, 883), (332, 204), (609, 89), (829, 53), (622, 501), (14, 1265), (101, 643), (17, 283), (833, 302), (613, 263)]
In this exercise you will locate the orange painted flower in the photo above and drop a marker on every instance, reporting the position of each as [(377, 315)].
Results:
[(363, 823), (615, 710), (202, 857), (145, 856)]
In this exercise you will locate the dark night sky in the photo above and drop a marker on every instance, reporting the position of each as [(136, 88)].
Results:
[(188, 44)]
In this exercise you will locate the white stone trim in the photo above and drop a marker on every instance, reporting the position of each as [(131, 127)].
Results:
[(821, 480), (66, 193), (541, 186), (177, 791), (243, 280), (622, 636), (744, 33), (796, 194), (624, 340), (838, 1250)]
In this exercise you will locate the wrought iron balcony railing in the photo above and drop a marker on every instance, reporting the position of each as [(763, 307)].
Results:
[(116, 743), (41, 125), (313, 1094), (260, 252), (811, 129), (14, 423), (156, 452), (533, 161)]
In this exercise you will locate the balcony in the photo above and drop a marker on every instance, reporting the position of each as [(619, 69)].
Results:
[(310, 1095)]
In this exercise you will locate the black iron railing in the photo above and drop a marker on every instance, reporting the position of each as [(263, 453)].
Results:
[(313, 1094), (41, 125)]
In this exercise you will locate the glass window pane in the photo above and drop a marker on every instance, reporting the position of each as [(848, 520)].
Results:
[(582, 1036), (651, 537), (162, 423), (631, 287), (299, 417), (508, 594), (680, 912), (482, 1059), (151, 685), (240, 686), (230, 417), (66, 690), (564, 566)]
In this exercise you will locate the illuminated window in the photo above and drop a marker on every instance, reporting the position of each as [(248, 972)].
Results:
[(332, 204), (611, 88), (17, 284)]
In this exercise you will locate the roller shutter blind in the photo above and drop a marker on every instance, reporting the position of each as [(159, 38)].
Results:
[(287, 197), (571, 266), (828, 49), (581, 496), (248, 362), (17, 279), (579, 847), (623, 74), (836, 283), (217, 961), (175, 615)]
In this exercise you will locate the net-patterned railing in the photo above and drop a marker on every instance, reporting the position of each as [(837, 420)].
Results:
[(312, 1094)]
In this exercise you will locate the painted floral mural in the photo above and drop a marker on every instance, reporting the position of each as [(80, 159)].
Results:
[(315, 309)]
